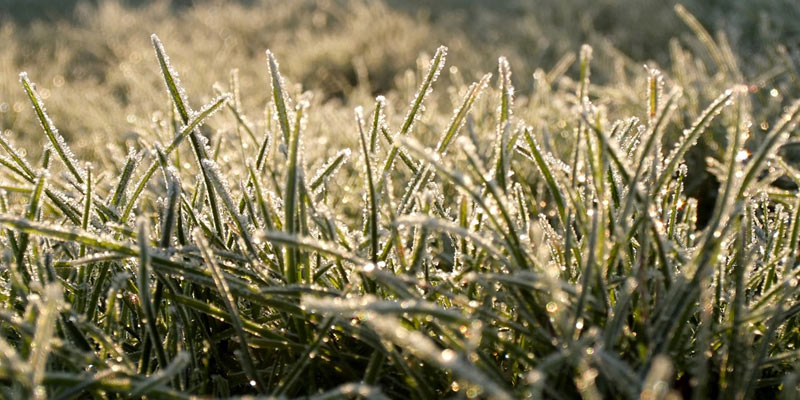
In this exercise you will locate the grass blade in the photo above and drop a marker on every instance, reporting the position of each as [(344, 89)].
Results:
[(230, 303), (198, 145), (56, 140)]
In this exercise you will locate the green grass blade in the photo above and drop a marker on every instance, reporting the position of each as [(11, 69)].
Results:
[(198, 144), (180, 362), (690, 137), (372, 196), (230, 303), (777, 135), (221, 186), (18, 158), (198, 119), (279, 97), (329, 168), (434, 68), (544, 168), (56, 140), (148, 308), (43, 339)]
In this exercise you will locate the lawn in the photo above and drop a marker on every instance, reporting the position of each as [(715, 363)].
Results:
[(399, 199)]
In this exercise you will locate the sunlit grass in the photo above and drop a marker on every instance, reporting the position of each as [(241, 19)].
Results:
[(485, 241)]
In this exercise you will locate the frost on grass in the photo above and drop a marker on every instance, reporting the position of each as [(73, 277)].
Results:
[(280, 100), (329, 168), (197, 118), (171, 78), (57, 141), (378, 123), (424, 348), (15, 154), (473, 290), (220, 184), (416, 107), (458, 119)]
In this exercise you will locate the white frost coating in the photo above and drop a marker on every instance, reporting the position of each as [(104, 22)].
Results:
[(278, 86), (378, 123), (203, 141), (197, 118), (6, 143), (690, 136), (167, 68), (58, 142), (330, 167), (458, 119), (219, 182), (133, 158), (506, 90), (7, 162), (416, 107), (221, 185), (173, 181), (421, 346)]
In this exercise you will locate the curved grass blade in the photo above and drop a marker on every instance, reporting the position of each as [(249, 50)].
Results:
[(56, 140), (198, 145), (180, 362), (147, 305), (225, 293), (774, 138), (434, 68), (197, 119), (690, 137)]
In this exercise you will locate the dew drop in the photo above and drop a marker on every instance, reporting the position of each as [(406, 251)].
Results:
[(448, 355)]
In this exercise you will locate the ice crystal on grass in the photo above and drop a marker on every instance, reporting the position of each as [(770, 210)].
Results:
[(173, 84), (56, 140), (551, 250), (329, 168), (416, 107)]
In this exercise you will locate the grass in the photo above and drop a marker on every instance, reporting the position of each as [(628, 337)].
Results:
[(485, 242)]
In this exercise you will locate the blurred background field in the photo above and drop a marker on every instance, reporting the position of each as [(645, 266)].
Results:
[(94, 65), (97, 54)]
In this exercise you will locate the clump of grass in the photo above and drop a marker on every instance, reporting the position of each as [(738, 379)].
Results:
[(494, 268)]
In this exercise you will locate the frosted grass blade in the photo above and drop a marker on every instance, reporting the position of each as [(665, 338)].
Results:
[(198, 119), (150, 315), (230, 303), (198, 145), (690, 137), (372, 196), (56, 140), (221, 186), (434, 68), (43, 338), (279, 96), (777, 135)]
